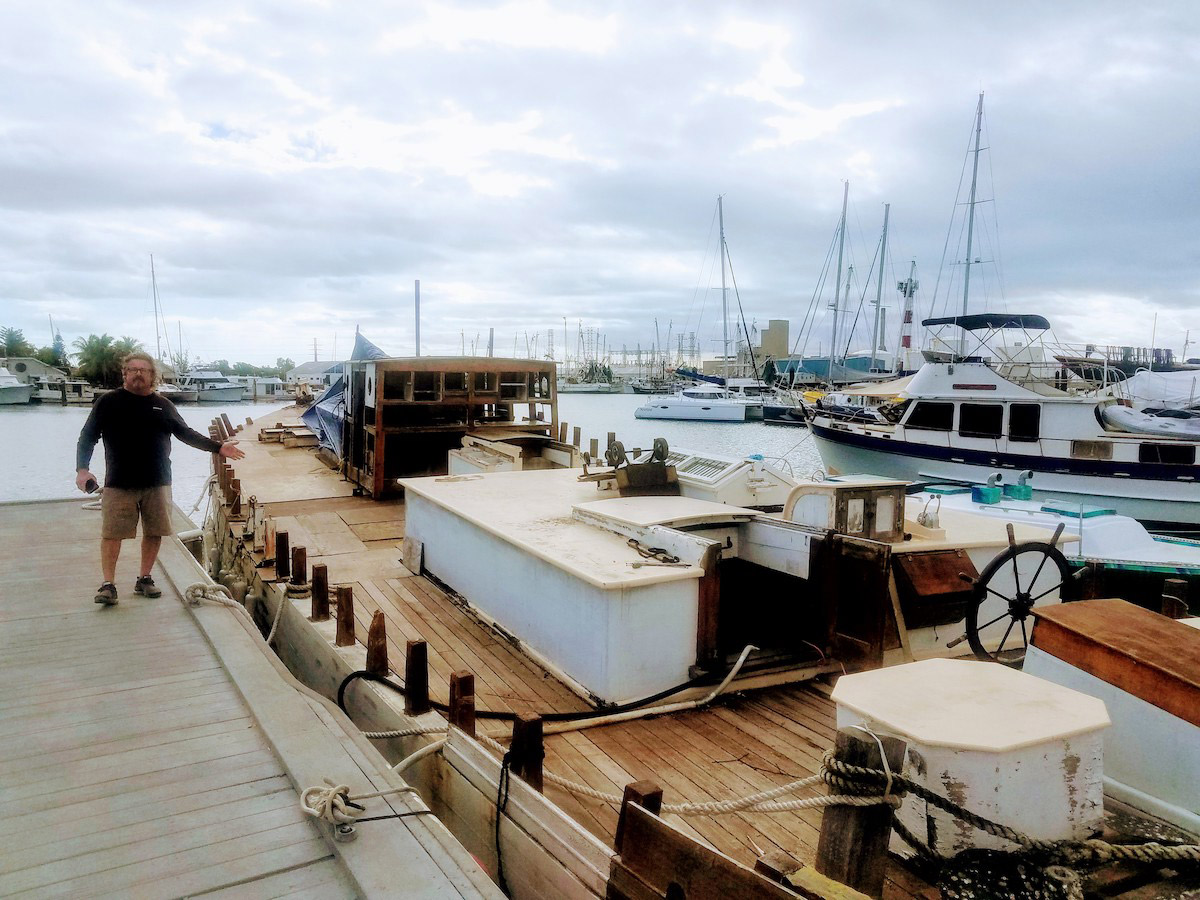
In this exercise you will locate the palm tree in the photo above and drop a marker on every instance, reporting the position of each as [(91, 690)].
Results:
[(14, 342), (127, 345), (99, 359)]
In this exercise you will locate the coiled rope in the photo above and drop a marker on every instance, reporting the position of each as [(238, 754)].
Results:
[(196, 593)]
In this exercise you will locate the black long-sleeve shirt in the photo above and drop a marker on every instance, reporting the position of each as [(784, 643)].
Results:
[(137, 438)]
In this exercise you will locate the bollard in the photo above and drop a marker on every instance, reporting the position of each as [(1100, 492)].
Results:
[(345, 616), (462, 702), (320, 593), (283, 557), (416, 678), (377, 658), (527, 750)]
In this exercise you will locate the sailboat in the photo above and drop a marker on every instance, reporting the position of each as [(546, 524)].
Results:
[(172, 392), (708, 402)]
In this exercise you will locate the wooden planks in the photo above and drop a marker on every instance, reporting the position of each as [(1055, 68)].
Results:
[(131, 760)]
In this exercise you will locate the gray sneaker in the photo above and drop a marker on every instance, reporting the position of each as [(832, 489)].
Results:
[(146, 587), (107, 594)]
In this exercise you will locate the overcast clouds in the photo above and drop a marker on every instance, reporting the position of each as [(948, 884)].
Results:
[(294, 166)]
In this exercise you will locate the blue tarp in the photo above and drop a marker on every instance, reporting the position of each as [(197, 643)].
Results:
[(364, 349), (325, 416)]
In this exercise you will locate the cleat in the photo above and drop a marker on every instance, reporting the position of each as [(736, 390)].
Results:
[(107, 594), (146, 587)]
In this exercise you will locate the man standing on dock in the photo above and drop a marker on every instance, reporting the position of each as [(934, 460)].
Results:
[(136, 424)]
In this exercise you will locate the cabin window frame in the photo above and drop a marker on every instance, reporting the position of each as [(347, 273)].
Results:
[(1030, 436), (921, 405), (992, 409), (1188, 452), (1100, 450)]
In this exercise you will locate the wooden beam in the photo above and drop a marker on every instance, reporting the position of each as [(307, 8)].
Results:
[(299, 566), (345, 616), (527, 749), (283, 557), (320, 593), (1175, 598), (562, 432), (377, 657), (576, 436), (229, 429), (854, 840), (462, 701), (416, 678), (645, 794)]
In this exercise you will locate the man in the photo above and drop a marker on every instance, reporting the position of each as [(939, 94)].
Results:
[(136, 424)]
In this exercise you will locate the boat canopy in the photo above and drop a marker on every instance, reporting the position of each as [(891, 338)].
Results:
[(980, 321)]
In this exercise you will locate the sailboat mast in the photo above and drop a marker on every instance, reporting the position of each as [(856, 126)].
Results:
[(154, 292), (837, 284), (971, 205), (724, 295), (887, 208), (908, 289)]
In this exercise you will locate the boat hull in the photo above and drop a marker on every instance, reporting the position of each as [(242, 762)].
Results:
[(597, 387), (15, 394), (784, 415), (221, 394), (1171, 502), (701, 411)]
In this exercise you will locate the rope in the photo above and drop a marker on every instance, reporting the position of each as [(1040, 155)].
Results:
[(335, 804), (194, 594), (407, 732), (843, 776), (763, 801)]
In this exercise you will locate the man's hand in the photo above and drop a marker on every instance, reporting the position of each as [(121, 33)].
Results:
[(230, 450), (82, 477)]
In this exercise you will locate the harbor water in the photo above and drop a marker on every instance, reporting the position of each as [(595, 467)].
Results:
[(37, 455)]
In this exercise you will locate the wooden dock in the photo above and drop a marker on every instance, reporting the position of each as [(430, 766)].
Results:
[(155, 750)]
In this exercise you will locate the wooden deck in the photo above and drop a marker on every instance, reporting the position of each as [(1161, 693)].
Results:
[(136, 764), (742, 744)]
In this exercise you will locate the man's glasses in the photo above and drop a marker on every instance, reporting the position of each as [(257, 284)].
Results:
[(134, 369)]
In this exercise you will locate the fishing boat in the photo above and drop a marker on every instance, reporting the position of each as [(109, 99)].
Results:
[(176, 394), (12, 390), (551, 604), (212, 387), (48, 389)]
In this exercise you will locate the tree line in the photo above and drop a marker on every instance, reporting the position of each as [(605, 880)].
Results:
[(97, 357)]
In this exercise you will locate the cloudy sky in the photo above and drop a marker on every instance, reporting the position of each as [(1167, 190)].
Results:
[(294, 166)]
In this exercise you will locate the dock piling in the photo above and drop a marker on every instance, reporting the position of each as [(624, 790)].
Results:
[(320, 593), (299, 566), (527, 750), (416, 678), (645, 794), (853, 846), (283, 559), (345, 616), (462, 701), (377, 658)]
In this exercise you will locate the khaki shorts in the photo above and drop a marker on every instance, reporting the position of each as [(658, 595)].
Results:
[(121, 507)]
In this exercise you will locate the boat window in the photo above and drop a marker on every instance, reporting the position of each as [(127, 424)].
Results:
[(981, 420), (456, 382), (1172, 454), (485, 382), (885, 513), (855, 510), (1024, 421), (928, 414), (1091, 449), (427, 386)]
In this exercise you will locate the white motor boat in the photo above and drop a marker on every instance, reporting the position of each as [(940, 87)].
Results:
[(12, 390), (701, 403), (212, 387), (176, 394)]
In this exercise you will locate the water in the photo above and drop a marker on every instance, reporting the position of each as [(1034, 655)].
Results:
[(37, 449), (37, 441)]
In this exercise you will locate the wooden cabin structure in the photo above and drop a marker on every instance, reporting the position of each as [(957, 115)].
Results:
[(404, 415)]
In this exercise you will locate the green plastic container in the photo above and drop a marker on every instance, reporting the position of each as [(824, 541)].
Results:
[(985, 493), (1018, 491)]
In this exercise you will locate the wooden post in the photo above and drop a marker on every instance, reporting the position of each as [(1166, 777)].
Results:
[(345, 616), (1174, 598), (283, 558), (594, 447), (229, 429), (235, 492), (527, 750), (462, 701), (299, 566), (562, 432), (377, 660), (416, 678), (320, 593), (645, 794), (854, 839), (612, 439), (576, 435), (222, 434)]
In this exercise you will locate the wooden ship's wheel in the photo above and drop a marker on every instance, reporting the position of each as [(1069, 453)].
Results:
[(1003, 596)]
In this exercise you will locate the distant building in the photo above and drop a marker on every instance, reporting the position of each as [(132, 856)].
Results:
[(316, 374), (27, 369)]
